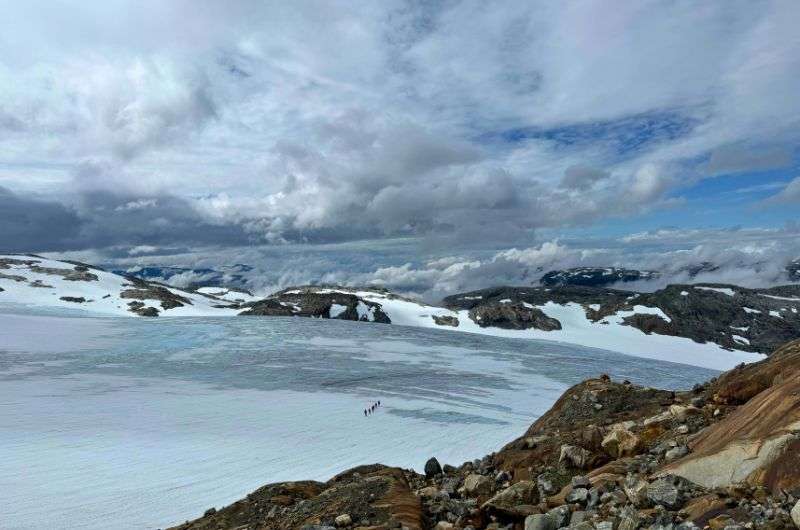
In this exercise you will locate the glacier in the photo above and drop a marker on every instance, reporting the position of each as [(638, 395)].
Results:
[(138, 423)]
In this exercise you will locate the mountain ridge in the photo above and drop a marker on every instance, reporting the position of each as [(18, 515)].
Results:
[(715, 325)]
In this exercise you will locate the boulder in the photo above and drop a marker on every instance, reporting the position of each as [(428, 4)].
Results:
[(578, 495), (540, 521), (621, 442), (665, 492), (574, 456), (475, 485), (343, 520), (681, 412), (560, 515), (432, 468), (428, 492), (628, 519), (545, 485), (635, 489), (507, 501)]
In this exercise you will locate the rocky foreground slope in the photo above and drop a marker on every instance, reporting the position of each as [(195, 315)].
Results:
[(608, 455)]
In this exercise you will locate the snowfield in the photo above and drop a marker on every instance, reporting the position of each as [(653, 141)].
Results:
[(577, 328), (103, 297), (22, 284)]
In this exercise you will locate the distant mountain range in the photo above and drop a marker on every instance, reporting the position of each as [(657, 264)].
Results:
[(595, 276), (712, 325), (607, 276), (240, 276), (226, 276)]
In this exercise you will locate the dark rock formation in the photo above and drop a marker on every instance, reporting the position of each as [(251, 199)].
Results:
[(445, 320), (142, 310), (318, 302), (595, 276), (432, 468), (142, 290), (75, 299), (735, 317), (520, 315)]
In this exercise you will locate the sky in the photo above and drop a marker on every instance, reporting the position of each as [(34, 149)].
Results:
[(428, 146)]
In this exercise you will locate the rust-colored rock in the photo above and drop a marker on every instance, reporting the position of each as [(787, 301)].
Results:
[(758, 442)]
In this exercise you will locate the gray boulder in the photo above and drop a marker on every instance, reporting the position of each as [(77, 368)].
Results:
[(432, 468)]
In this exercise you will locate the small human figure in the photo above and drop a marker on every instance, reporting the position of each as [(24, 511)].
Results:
[(365, 412)]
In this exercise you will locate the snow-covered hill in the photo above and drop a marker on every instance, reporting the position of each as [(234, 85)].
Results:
[(577, 318), (44, 283), (703, 325)]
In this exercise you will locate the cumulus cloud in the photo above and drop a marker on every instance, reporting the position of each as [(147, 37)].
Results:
[(460, 122)]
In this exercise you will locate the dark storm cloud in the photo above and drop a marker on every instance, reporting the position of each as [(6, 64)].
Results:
[(102, 219), (109, 219), (29, 225)]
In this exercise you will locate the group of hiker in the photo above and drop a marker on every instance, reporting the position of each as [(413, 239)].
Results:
[(372, 408)]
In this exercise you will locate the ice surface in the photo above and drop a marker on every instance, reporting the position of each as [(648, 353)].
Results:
[(137, 423)]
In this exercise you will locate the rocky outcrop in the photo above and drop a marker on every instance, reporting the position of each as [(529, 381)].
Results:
[(42, 282), (519, 315), (445, 320), (607, 455), (367, 497), (758, 443), (319, 302), (141, 290), (73, 299), (757, 320), (77, 273)]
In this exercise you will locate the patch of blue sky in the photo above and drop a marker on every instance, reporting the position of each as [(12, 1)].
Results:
[(724, 202), (625, 136)]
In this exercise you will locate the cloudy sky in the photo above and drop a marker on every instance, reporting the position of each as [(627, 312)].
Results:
[(428, 145)]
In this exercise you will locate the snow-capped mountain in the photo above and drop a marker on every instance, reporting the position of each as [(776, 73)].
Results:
[(595, 276), (229, 276)]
